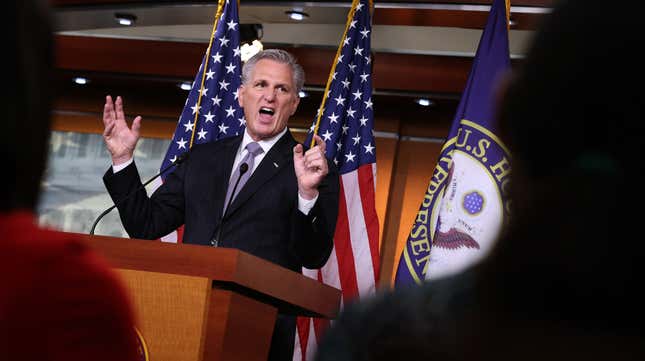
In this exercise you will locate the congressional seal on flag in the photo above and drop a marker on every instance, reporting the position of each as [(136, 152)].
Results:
[(471, 207)]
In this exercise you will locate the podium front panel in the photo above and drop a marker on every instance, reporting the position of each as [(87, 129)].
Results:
[(171, 312)]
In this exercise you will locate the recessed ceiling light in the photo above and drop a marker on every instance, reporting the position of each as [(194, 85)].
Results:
[(424, 102), (186, 85), (125, 19), (297, 15), (80, 80)]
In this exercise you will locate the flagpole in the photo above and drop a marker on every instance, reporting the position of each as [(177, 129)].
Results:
[(218, 14), (508, 14)]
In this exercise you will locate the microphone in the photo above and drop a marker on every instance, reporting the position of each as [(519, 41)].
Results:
[(244, 167), (182, 157)]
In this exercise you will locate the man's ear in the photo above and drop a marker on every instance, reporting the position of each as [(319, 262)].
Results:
[(240, 95), (295, 104)]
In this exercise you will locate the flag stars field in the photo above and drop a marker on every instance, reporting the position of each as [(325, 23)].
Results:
[(216, 82), (327, 135), (350, 156)]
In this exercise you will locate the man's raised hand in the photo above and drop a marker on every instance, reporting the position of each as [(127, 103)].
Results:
[(310, 167), (119, 138)]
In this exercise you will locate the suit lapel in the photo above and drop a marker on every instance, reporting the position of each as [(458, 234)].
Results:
[(280, 156)]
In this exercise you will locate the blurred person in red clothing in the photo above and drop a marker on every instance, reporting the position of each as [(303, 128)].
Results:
[(58, 300)]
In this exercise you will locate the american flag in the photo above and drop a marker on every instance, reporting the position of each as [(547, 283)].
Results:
[(345, 121), (211, 111)]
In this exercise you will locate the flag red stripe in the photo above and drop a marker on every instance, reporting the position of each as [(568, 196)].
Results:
[(366, 185), (344, 252), (320, 324), (303, 334), (180, 234)]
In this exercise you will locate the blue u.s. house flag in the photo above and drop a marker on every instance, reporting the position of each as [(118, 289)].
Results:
[(464, 206), (212, 111)]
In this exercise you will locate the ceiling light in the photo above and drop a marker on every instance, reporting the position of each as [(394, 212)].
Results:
[(80, 80), (248, 50), (125, 19), (297, 15), (303, 94), (512, 22), (424, 102), (186, 85)]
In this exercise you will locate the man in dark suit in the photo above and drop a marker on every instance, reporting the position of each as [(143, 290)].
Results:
[(286, 211)]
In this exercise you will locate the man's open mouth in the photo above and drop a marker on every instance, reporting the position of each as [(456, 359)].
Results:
[(267, 111)]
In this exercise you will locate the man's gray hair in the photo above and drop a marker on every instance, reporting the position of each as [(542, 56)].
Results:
[(279, 56)]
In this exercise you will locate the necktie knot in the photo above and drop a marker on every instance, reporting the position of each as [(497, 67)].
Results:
[(254, 149)]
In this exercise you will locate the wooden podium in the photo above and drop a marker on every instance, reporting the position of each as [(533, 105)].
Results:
[(198, 303)]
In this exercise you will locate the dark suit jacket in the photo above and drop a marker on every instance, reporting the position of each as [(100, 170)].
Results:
[(263, 219)]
